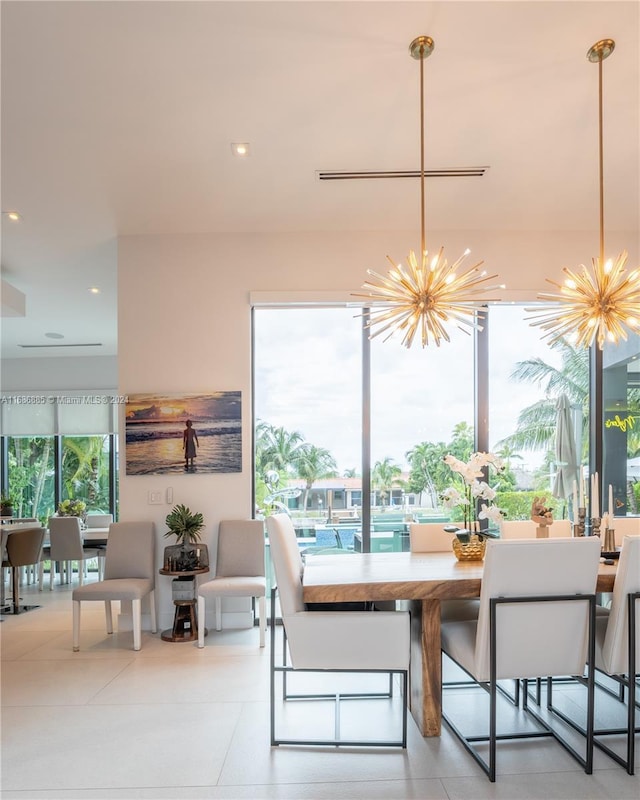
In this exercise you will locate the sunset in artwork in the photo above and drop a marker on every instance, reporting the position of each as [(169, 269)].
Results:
[(155, 433)]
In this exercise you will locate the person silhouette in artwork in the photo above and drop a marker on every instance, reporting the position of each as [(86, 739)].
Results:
[(189, 444)]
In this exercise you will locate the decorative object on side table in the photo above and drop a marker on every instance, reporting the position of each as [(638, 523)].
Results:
[(73, 508), (188, 554), (6, 506), (466, 494), (184, 560)]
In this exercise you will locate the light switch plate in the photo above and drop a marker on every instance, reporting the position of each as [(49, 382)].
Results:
[(155, 498)]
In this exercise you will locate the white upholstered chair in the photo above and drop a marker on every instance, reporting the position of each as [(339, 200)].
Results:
[(65, 547), (526, 529), (616, 628), (99, 520), (561, 529), (240, 571), (129, 574), (536, 619), (330, 641), (429, 537), (625, 526)]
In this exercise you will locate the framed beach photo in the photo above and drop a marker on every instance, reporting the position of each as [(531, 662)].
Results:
[(183, 433)]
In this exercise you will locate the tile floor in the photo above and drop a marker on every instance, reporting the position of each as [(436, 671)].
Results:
[(172, 721)]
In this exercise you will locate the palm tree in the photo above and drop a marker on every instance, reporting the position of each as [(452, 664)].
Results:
[(384, 476), (83, 466), (462, 441), (277, 449), (537, 423), (314, 463), (428, 470)]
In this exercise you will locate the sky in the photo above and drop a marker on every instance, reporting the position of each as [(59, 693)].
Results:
[(308, 379)]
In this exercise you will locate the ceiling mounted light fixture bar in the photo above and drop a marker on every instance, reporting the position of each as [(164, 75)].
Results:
[(426, 294), (83, 344), (347, 175), (600, 304)]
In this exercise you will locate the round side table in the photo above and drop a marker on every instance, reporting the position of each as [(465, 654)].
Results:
[(185, 618)]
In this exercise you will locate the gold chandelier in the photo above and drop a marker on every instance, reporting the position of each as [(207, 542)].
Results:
[(424, 294), (602, 303)]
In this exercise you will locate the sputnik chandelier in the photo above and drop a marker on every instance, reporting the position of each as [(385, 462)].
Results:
[(602, 303), (425, 294)]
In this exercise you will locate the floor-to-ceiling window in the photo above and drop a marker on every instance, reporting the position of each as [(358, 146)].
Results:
[(375, 454), (422, 408), (308, 414), (531, 383), (621, 431), (56, 447)]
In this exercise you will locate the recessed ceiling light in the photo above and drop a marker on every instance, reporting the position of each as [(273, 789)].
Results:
[(94, 290), (54, 335), (240, 149), (12, 215)]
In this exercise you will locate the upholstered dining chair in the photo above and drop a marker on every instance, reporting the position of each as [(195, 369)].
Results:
[(240, 571), (536, 619), (625, 526), (98, 520), (65, 547), (23, 549), (330, 641), (429, 537), (617, 651), (526, 529), (129, 574)]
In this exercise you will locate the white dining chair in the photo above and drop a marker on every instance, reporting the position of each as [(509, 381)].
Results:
[(617, 653), (65, 547), (625, 526), (431, 537), (129, 575), (517, 529), (536, 619), (240, 571), (330, 641)]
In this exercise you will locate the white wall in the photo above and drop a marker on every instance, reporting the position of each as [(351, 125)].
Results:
[(42, 374), (184, 324)]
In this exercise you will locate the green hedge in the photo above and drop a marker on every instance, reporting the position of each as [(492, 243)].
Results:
[(517, 505)]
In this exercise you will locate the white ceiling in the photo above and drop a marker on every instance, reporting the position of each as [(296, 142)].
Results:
[(117, 118)]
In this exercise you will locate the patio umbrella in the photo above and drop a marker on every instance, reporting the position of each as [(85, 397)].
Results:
[(566, 459)]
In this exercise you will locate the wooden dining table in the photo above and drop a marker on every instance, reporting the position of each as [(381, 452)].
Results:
[(421, 579)]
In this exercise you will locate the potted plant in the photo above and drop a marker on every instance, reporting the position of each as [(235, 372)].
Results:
[(72, 508), (188, 554), (6, 506)]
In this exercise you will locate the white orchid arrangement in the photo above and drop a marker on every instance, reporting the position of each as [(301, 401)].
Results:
[(471, 488)]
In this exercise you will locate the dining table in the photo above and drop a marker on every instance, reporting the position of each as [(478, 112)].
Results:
[(423, 580)]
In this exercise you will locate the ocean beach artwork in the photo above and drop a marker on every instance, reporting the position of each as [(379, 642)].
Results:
[(183, 433)]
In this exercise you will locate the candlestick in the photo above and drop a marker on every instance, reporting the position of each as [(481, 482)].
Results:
[(581, 490), (595, 497), (611, 509), (575, 502)]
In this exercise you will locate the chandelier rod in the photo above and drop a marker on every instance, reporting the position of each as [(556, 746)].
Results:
[(598, 53), (423, 213), (601, 159), (420, 49)]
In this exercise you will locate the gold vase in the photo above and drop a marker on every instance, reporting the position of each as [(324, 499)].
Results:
[(473, 550)]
